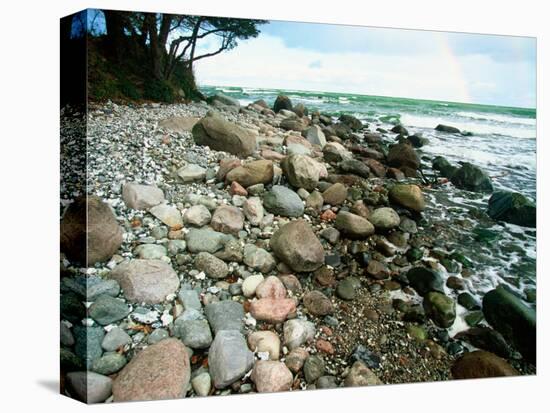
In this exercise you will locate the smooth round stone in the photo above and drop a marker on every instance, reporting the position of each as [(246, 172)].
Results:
[(194, 333), (347, 288), (109, 363), (297, 332), (265, 342), (384, 218), (66, 336), (250, 284), (211, 265), (271, 376), (326, 382), (115, 339), (150, 251), (197, 215), (88, 343), (157, 335), (314, 367), (89, 387), (159, 232), (202, 383)]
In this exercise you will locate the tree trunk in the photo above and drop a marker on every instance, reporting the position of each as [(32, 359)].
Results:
[(114, 23)]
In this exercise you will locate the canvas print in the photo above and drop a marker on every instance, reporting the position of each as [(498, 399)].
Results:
[(253, 206)]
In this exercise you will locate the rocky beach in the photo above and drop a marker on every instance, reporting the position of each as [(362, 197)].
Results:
[(216, 248)]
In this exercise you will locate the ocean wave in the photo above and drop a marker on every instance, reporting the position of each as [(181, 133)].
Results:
[(498, 118)]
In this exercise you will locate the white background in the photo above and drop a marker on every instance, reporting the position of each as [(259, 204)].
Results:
[(29, 119)]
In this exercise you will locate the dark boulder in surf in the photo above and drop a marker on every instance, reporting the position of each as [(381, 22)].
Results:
[(447, 129), (439, 163), (282, 102), (351, 121), (403, 155), (400, 129), (472, 178), (514, 208)]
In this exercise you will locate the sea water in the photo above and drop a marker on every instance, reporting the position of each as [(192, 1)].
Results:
[(502, 142)]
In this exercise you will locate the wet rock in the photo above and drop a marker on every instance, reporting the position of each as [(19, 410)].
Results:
[(403, 155), (252, 173), (480, 364), (350, 120), (222, 135), (361, 375), (354, 166), (227, 219), (336, 194), (142, 197), (446, 128), (297, 332), (317, 303), (282, 102), (229, 358), (378, 270), (283, 201), (205, 240), (147, 281), (400, 129), (271, 376), (297, 246), (88, 387), (353, 225), (265, 342), (335, 152), (297, 125), (468, 301), (89, 231), (225, 315), (486, 338), (106, 310), (442, 165), (440, 308), (516, 321), (384, 218), (472, 178), (161, 371), (197, 215), (424, 280), (168, 215), (408, 196), (514, 208)]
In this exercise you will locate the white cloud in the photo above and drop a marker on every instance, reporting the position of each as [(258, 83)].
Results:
[(266, 62)]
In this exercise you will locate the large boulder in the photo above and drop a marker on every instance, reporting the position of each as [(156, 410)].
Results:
[(282, 102), (297, 246), (353, 225), (403, 155), (89, 230), (408, 196), (447, 128), (146, 281), (481, 364), (252, 173), (336, 152), (301, 171), (178, 124), (222, 135), (472, 178), (229, 358), (283, 201), (424, 280), (350, 120), (293, 124), (223, 99), (516, 321), (514, 208), (440, 308), (161, 371), (439, 163), (142, 197)]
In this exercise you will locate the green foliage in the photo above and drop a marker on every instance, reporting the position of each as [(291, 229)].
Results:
[(159, 90)]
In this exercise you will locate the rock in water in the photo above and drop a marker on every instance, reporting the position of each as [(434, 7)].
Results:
[(229, 358), (354, 123), (408, 196), (353, 225), (440, 308), (301, 171), (403, 155), (297, 246), (283, 201), (252, 173), (424, 280), (148, 281), (472, 178), (88, 387), (89, 231), (446, 128), (282, 102), (161, 371), (142, 197), (222, 135), (517, 322), (480, 364), (442, 165), (271, 376), (514, 208)]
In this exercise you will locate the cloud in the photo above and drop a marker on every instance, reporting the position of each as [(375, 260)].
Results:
[(268, 62)]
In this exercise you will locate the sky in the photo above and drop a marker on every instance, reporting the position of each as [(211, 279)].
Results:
[(455, 67)]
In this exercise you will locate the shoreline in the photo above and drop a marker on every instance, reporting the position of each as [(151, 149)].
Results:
[(127, 145)]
